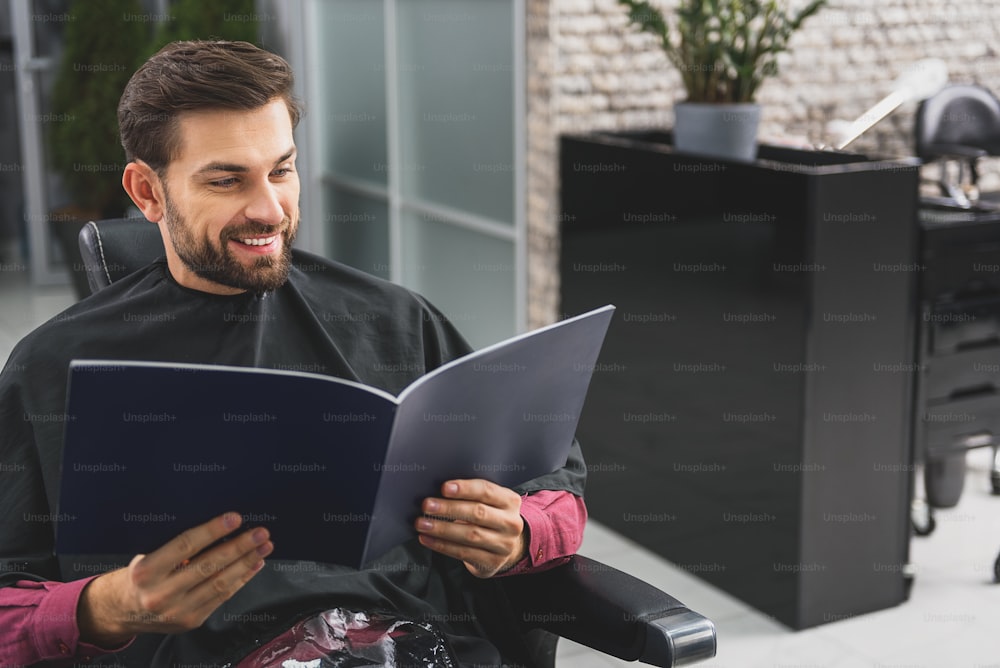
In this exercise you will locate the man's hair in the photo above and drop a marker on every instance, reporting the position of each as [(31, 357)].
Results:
[(197, 76)]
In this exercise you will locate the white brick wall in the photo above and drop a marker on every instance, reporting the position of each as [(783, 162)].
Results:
[(589, 70)]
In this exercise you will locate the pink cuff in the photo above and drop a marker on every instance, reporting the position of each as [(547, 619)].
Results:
[(54, 627), (555, 521)]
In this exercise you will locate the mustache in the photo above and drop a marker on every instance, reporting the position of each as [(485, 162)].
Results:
[(251, 228)]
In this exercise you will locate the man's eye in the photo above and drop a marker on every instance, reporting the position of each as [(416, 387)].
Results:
[(282, 171), (224, 183)]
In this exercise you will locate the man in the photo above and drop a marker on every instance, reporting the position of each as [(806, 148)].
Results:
[(207, 130)]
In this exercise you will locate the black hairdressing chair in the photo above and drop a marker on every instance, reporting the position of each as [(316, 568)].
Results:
[(956, 127), (584, 600)]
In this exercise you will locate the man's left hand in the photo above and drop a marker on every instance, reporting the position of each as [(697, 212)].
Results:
[(478, 522)]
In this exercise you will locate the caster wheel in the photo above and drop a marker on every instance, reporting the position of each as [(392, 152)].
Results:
[(909, 574), (995, 470), (922, 518)]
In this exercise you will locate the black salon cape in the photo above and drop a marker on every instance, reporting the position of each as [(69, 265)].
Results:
[(326, 319)]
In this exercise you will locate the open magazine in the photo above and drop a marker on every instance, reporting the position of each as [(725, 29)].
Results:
[(335, 469)]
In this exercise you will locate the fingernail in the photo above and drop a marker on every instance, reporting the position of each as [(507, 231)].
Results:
[(424, 524), (259, 536), (231, 520), (451, 488), (431, 505), (265, 550)]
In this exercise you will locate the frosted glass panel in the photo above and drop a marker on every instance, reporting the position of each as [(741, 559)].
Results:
[(456, 75), (351, 74), (357, 231), (469, 276)]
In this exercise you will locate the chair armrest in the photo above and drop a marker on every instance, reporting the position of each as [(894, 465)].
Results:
[(610, 611)]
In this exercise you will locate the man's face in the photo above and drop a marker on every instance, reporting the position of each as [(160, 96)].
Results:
[(231, 200)]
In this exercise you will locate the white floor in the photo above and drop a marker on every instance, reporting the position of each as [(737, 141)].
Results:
[(952, 619)]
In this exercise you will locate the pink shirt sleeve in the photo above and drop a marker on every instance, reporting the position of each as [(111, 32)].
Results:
[(39, 625), (555, 521)]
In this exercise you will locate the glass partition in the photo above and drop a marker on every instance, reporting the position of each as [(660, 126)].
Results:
[(419, 132)]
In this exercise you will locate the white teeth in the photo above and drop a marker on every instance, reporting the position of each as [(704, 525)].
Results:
[(259, 242)]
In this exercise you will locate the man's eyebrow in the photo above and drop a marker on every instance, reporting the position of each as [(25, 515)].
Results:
[(286, 156), (239, 169), (222, 167)]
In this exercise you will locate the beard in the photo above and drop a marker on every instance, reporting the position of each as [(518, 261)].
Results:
[(218, 263)]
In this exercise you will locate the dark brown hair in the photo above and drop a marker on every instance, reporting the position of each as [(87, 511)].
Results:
[(196, 76)]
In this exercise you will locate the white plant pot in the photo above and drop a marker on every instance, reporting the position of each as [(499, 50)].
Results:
[(717, 130)]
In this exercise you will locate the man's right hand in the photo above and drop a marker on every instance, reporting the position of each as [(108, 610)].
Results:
[(175, 588)]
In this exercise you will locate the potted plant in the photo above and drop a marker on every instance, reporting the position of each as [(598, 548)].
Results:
[(101, 48), (723, 49), (234, 20)]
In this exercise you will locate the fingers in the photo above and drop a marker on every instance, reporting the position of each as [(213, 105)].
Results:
[(473, 501), (175, 588), (456, 517), (218, 573), (459, 540), (499, 537), (482, 491), (187, 545), (477, 522), (213, 591), (479, 502), (484, 555)]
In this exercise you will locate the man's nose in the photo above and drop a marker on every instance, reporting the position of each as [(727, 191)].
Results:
[(265, 206)]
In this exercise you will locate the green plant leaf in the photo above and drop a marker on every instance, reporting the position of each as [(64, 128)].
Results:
[(96, 64), (726, 47)]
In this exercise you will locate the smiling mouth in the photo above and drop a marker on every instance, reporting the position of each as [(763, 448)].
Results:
[(261, 241)]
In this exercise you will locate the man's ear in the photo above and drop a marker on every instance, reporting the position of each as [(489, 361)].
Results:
[(143, 185)]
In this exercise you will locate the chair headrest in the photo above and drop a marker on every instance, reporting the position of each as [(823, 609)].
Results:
[(115, 248), (961, 120)]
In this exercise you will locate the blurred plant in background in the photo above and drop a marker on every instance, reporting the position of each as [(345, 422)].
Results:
[(100, 52), (723, 49), (233, 20)]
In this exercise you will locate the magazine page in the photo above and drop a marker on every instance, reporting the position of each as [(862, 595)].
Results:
[(507, 413), (153, 449)]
